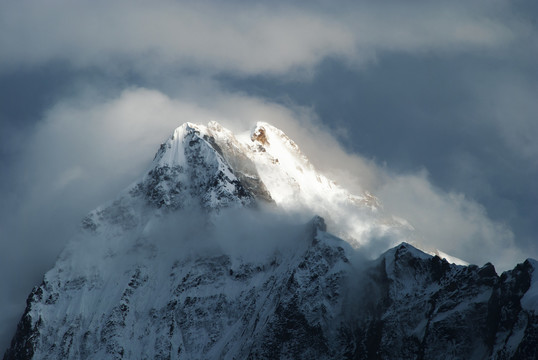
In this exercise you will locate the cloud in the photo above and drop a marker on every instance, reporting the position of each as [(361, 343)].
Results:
[(240, 37), (449, 221), (87, 149), (512, 109)]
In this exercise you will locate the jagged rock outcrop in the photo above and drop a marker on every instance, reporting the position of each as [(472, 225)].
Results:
[(430, 309), (300, 305)]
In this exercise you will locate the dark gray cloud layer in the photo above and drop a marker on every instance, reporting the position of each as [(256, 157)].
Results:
[(432, 107)]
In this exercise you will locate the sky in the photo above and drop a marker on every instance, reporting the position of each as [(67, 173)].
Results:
[(429, 106)]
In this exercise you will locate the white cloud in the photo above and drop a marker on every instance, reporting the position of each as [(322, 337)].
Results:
[(512, 108), (449, 221)]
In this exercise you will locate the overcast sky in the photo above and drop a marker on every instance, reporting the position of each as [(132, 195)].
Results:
[(432, 107)]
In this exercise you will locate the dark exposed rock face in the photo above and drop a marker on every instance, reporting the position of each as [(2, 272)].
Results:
[(24, 342), (408, 305), (432, 309), (285, 307)]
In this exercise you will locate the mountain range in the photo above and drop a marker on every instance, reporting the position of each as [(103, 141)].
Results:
[(233, 246)]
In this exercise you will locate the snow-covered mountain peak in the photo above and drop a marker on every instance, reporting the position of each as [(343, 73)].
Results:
[(190, 170), (180, 131), (294, 179), (295, 185), (281, 171), (277, 143), (185, 264), (210, 167), (405, 249), (172, 152)]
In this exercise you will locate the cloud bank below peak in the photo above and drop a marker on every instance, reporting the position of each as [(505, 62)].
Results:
[(238, 37), (85, 137)]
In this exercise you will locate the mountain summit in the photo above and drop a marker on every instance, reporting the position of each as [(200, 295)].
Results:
[(209, 255), (211, 168)]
